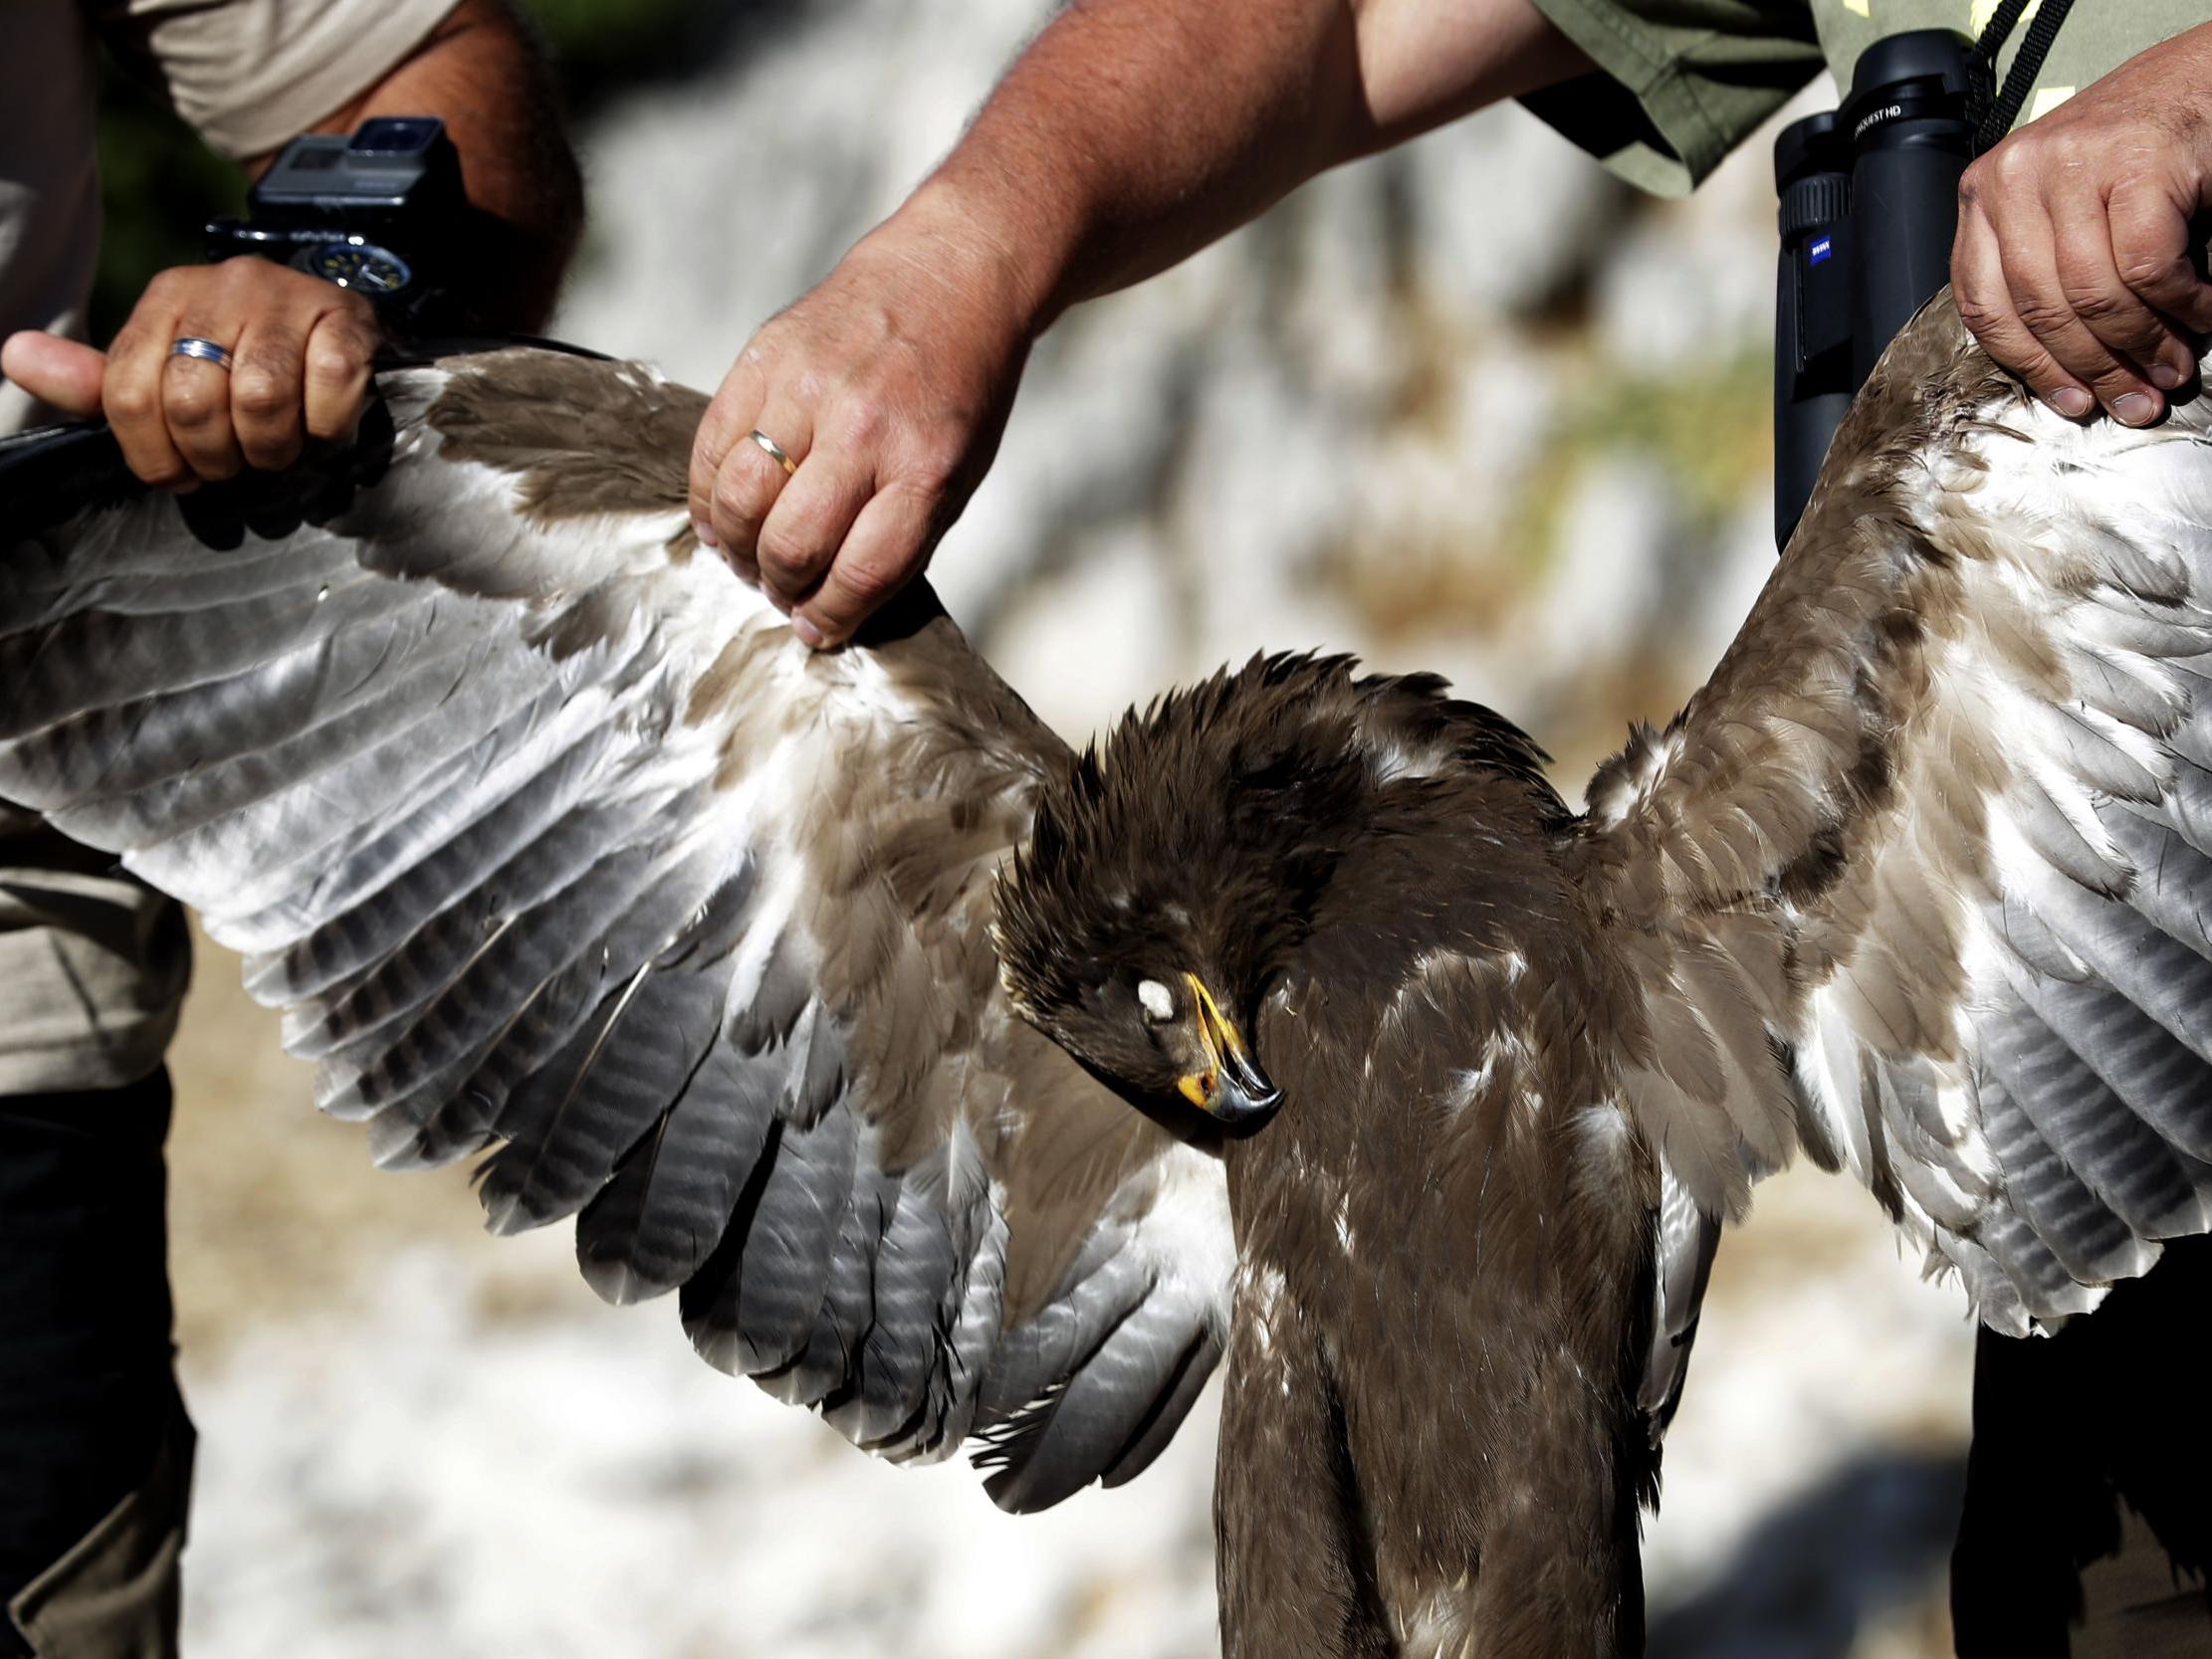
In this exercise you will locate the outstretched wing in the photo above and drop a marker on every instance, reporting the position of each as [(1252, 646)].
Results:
[(549, 838), (1920, 876)]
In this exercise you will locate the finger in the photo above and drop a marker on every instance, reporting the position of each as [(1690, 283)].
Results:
[(743, 564), (131, 396), (2152, 248), (195, 402), (2113, 311), (1985, 306), (750, 478), (63, 374), (2028, 250), (335, 371), (266, 388), (809, 519), (888, 545), (729, 417)]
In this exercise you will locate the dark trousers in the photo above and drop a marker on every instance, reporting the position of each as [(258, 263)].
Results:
[(87, 1390), (2087, 1526)]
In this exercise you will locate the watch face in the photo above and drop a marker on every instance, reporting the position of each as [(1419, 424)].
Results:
[(362, 266)]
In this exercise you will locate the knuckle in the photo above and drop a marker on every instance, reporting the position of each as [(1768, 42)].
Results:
[(131, 401), (2042, 314), (928, 478), (2097, 305), (2017, 349), (190, 401), (336, 357), (2110, 382), (860, 422), (708, 446), (870, 580), (930, 468), (260, 395), (787, 551), (1985, 321), (130, 339), (2151, 274), (2014, 162), (736, 500)]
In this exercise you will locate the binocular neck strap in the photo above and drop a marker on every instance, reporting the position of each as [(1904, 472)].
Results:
[(1992, 115)]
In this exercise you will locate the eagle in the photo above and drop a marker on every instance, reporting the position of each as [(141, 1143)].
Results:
[(972, 1090)]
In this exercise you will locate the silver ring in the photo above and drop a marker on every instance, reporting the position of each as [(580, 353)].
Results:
[(207, 351), (776, 451)]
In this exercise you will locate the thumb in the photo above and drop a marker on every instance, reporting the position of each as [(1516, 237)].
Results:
[(56, 371)]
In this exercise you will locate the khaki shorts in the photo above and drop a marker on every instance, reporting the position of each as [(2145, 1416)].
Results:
[(93, 965)]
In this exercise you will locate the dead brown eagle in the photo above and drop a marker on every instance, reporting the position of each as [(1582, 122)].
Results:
[(838, 995)]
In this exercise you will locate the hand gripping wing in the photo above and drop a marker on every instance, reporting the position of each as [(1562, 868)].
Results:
[(1920, 877), (549, 838)]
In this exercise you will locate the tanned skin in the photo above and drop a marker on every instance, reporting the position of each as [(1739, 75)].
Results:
[(302, 348), (1131, 133), (1135, 131)]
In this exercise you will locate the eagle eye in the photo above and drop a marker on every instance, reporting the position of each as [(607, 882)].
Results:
[(1157, 1001)]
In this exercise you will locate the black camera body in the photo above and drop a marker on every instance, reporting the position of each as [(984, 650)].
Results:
[(379, 211), (1869, 210)]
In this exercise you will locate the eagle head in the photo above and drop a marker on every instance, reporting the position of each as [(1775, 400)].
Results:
[(1172, 872)]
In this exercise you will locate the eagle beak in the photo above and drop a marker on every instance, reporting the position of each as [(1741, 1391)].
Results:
[(1233, 1088)]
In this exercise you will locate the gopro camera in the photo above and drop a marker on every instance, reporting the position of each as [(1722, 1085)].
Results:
[(1869, 205), (378, 211)]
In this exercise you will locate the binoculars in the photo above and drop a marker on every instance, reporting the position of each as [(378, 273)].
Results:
[(1869, 208)]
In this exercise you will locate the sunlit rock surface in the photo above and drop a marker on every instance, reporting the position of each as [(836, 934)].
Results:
[(1471, 408)]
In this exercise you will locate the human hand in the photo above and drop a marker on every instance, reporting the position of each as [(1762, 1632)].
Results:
[(299, 351), (2074, 266), (887, 386)]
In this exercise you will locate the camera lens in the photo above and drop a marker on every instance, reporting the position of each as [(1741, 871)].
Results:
[(396, 135)]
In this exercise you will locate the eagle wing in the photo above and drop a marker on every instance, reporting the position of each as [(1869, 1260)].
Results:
[(549, 839), (1920, 877)]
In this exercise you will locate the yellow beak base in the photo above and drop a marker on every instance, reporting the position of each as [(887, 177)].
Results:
[(1231, 1088)]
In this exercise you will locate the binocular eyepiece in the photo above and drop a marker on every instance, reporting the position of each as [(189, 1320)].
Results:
[(1868, 209)]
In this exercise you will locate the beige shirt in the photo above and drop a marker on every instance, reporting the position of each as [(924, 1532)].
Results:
[(93, 964)]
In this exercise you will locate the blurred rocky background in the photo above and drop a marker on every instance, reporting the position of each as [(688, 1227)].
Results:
[(1469, 407)]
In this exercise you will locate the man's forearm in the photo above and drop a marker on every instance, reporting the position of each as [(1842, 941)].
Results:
[(486, 78), (1133, 132)]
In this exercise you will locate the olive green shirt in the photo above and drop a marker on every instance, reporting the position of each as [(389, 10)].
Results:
[(1684, 82)]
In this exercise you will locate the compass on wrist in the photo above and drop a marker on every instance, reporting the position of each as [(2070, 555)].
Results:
[(358, 265)]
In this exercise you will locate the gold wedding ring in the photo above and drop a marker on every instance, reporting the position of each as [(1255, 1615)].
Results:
[(776, 451)]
